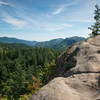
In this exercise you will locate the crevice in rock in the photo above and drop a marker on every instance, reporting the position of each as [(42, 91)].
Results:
[(98, 51)]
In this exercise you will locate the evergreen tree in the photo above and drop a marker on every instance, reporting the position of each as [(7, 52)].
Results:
[(96, 27)]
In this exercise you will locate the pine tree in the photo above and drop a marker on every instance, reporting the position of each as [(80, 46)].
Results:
[(96, 27)]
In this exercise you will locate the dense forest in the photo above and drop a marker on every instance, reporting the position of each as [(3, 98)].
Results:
[(23, 70)]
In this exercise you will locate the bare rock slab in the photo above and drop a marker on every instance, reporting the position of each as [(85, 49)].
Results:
[(78, 72)]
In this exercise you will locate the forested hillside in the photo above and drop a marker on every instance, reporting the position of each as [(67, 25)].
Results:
[(23, 70)]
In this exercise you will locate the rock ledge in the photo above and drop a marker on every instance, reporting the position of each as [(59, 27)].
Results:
[(78, 72)]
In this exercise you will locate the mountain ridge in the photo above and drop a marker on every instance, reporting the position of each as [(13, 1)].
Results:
[(58, 43), (15, 40)]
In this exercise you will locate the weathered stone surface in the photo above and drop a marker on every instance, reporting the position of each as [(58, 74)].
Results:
[(81, 57), (78, 71)]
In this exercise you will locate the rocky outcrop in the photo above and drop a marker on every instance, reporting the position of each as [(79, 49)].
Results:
[(82, 57), (78, 72)]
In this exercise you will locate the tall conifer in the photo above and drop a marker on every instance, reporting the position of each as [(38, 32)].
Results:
[(96, 27)]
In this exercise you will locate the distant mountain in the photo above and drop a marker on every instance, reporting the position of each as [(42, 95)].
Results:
[(60, 43), (54, 43), (68, 42), (50, 43), (15, 40)]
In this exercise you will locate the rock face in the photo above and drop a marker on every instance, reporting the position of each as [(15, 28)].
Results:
[(78, 72)]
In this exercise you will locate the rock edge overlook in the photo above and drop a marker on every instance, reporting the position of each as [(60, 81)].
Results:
[(78, 74)]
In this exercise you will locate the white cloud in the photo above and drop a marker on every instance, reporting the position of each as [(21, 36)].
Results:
[(15, 22), (59, 10), (3, 3), (63, 6)]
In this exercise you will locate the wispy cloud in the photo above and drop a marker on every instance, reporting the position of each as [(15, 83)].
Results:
[(3, 3), (62, 7), (59, 10), (15, 22)]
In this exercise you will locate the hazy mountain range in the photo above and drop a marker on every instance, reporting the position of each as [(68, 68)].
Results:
[(59, 43)]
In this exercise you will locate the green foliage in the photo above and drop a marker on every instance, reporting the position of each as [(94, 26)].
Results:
[(18, 65), (96, 27)]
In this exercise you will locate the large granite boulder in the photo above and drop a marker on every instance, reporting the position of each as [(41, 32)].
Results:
[(78, 72)]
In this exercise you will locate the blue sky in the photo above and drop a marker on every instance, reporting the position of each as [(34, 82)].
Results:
[(46, 19)]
